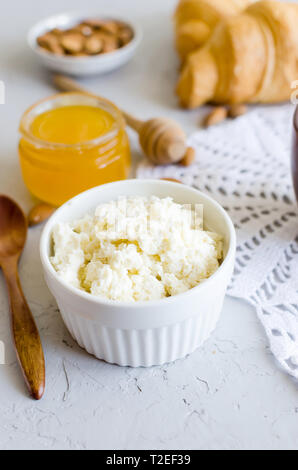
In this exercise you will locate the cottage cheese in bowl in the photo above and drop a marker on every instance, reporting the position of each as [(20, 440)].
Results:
[(136, 249)]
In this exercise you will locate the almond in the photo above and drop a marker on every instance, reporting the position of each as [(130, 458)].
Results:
[(173, 180), (40, 214), (72, 42), (81, 54), (110, 44), (57, 31), (50, 42), (94, 45), (189, 157), (216, 116), (236, 110), (94, 23), (125, 35), (85, 30), (111, 27)]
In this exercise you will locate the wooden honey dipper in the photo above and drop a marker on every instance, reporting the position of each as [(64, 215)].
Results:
[(162, 140)]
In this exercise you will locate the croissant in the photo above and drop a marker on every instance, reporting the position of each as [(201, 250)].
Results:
[(196, 19), (252, 57)]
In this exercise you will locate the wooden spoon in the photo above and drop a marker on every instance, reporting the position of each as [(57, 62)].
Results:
[(162, 140), (13, 233)]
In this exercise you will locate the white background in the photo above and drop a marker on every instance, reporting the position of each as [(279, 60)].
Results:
[(228, 395)]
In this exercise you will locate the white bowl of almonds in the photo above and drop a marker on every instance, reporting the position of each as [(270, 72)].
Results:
[(82, 44)]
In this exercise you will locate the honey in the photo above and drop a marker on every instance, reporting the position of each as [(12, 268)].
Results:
[(70, 143)]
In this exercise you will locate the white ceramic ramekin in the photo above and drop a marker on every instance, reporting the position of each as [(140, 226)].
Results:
[(82, 66), (143, 333)]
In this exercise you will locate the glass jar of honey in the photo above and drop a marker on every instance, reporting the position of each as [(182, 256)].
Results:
[(72, 142)]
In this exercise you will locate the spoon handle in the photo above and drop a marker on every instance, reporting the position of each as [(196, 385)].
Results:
[(26, 336)]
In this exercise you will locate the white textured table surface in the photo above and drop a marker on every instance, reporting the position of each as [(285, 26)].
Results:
[(228, 395)]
